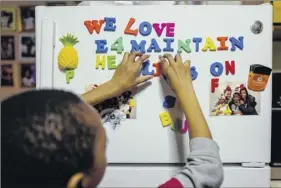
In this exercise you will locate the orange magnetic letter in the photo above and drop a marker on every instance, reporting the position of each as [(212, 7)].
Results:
[(94, 25), (157, 68), (222, 43), (128, 29)]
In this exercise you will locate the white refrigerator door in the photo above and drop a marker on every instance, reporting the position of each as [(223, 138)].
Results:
[(154, 176), (144, 139)]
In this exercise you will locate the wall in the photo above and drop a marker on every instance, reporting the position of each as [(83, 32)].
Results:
[(18, 63)]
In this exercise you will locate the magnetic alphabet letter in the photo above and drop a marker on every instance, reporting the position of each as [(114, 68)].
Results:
[(216, 69), (237, 43), (138, 47), (170, 28), (145, 28), (214, 84), (185, 127), (111, 62), (109, 24), (209, 44), (176, 125), (159, 29), (169, 101), (128, 29), (157, 69), (184, 45), (154, 46), (118, 45), (101, 47), (100, 61), (222, 41), (145, 69), (69, 75), (168, 47), (197, 42), (165, 119), (229, 67), (94, 25), (194, 73)]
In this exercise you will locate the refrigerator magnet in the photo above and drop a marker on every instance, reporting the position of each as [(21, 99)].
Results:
[(258, 77)]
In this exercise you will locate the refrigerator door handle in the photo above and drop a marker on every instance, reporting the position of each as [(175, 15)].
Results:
[(253, 165), (47, 47)]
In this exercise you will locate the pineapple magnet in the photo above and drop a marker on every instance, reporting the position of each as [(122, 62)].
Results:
[(68, 56)]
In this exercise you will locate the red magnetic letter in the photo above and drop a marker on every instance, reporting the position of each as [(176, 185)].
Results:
[(229, 67), (128, 29), (93, 25), (214, 84), (157, 68), (222, 43)]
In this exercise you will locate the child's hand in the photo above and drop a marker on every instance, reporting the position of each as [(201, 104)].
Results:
[(177, 72), (127, 74)]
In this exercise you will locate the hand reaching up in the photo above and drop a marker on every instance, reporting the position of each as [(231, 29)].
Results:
[(177, 72), (127, 74)]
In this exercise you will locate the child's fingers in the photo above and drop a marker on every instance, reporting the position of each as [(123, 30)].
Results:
[(142, 59), (163, 64), (125, 57), (187, 63), (170, 58), (178, 58), (133, 56)]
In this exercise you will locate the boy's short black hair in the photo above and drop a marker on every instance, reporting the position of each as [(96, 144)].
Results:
[(43, 142)]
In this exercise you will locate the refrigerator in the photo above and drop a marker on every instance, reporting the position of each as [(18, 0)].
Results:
[(230, 48)]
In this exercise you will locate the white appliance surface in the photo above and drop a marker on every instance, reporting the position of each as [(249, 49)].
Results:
[(241, 139)]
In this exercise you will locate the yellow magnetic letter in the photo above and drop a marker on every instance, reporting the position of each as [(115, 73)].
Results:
[(165, 119), (100, 61), (209, 44)]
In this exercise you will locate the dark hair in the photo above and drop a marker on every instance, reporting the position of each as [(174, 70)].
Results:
[(43, 141), (236, 93), (247, 94)]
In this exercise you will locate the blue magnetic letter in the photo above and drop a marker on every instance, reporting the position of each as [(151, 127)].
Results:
[(145, 28), (236, 43), (197, 41), (138, 47), (168, 47), (101, 46), (216, 69), (109, 24)]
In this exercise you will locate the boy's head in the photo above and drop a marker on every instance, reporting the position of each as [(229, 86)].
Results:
[(47, 136)]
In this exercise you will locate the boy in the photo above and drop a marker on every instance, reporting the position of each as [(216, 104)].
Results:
[(45, 142)]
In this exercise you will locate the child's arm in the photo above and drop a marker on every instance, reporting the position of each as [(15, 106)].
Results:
[(180, 80), (204, 167), (125, 77)]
